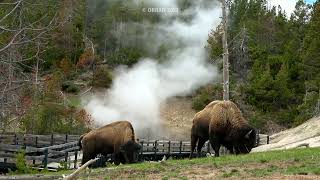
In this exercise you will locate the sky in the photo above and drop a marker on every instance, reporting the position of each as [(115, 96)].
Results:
[(287, 5), (310, 1)]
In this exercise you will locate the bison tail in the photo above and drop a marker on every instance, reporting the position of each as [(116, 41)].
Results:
[(80, 139), (133, 134)]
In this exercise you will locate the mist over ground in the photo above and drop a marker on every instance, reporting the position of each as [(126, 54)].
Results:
[(137, 92)]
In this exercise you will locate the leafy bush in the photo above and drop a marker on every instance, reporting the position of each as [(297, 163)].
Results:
[(49, 113), (66, 66), (309, 108), (21, 163), (70, 87), (102, 77), (86, 60), (125, 56), (205, 96), (48, 118)]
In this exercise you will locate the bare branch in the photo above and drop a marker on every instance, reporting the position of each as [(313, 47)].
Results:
[(11, 41), (17, 5)]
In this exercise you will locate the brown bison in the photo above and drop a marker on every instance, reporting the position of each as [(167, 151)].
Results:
[(200, 128), (228, 128), (117, 138)]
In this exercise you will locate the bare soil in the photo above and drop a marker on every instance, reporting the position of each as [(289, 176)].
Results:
[(200, 172), (177, 115)]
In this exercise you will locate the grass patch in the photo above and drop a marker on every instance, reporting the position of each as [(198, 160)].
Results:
[(74, 101), (260, 172), (293, 162), (233, 172), (286, 162)]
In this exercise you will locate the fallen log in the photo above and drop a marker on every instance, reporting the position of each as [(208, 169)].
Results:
[(73, 175)]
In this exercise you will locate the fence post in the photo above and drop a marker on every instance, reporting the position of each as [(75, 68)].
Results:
[(268, 138), (24, 141), (180, 147), (258, 138), (141, 147), (163, 145), (208, 147), (15, 139), (51, 142), (34, 161), (169, 148), (36, 141), (75, 159), (45, 160), (66, 160), (66, 138), (155, 149)]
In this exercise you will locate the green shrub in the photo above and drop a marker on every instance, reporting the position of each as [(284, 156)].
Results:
[(48, 118), (69, 87), (205, 95), (308, 108), (21, 163), (4, 123), (102, 77), (125, 56), (50, 113)]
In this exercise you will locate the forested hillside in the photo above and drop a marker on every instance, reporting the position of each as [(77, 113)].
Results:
[(51, 52), (275, 62)]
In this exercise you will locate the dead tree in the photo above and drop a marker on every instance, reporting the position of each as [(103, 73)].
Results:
[(225, 52), (23, 38)]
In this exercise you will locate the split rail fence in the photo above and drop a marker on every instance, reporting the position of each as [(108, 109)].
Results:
[(40, 150)]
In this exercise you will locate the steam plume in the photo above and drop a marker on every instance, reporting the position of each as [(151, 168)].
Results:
[(137, 92)]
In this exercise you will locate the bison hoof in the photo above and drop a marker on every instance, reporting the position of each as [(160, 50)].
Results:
[(117, 163)]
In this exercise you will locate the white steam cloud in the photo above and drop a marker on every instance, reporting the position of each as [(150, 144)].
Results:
[(137, 92)]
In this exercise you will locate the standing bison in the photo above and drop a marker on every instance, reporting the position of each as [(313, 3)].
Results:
[(228, 128), (117, 138), (200, 128)]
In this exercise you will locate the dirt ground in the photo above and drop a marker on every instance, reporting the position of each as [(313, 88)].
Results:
[(177, 115), (209, 172)]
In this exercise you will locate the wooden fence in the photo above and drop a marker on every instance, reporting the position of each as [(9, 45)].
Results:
[(37, 140), (40, 150)]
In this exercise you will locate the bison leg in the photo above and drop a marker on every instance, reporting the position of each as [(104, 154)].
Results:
[(194, 140), (215, 144), (126, 157), (120, 157), (230, 149), (117, 158), (200, 145), (86, 157)]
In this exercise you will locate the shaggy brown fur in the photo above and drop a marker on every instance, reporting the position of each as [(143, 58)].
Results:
[(228, 128), (200, 128), (117, 138)]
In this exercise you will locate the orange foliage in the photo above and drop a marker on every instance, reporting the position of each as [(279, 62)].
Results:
[(66, 66), (86, 59), (84, 117)]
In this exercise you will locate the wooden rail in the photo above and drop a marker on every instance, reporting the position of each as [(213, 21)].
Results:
[(37, 140)]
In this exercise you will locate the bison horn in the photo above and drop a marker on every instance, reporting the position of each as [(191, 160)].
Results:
[(248, 134)]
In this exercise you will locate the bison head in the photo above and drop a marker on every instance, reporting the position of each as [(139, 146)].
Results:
[(246, 141), (130, 151)]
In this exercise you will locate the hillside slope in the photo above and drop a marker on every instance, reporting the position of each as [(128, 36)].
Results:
[(177, 115), (307, 134)]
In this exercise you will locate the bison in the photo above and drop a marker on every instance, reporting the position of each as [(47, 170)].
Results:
[(228, 128), (117, 138), (200, 128)]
